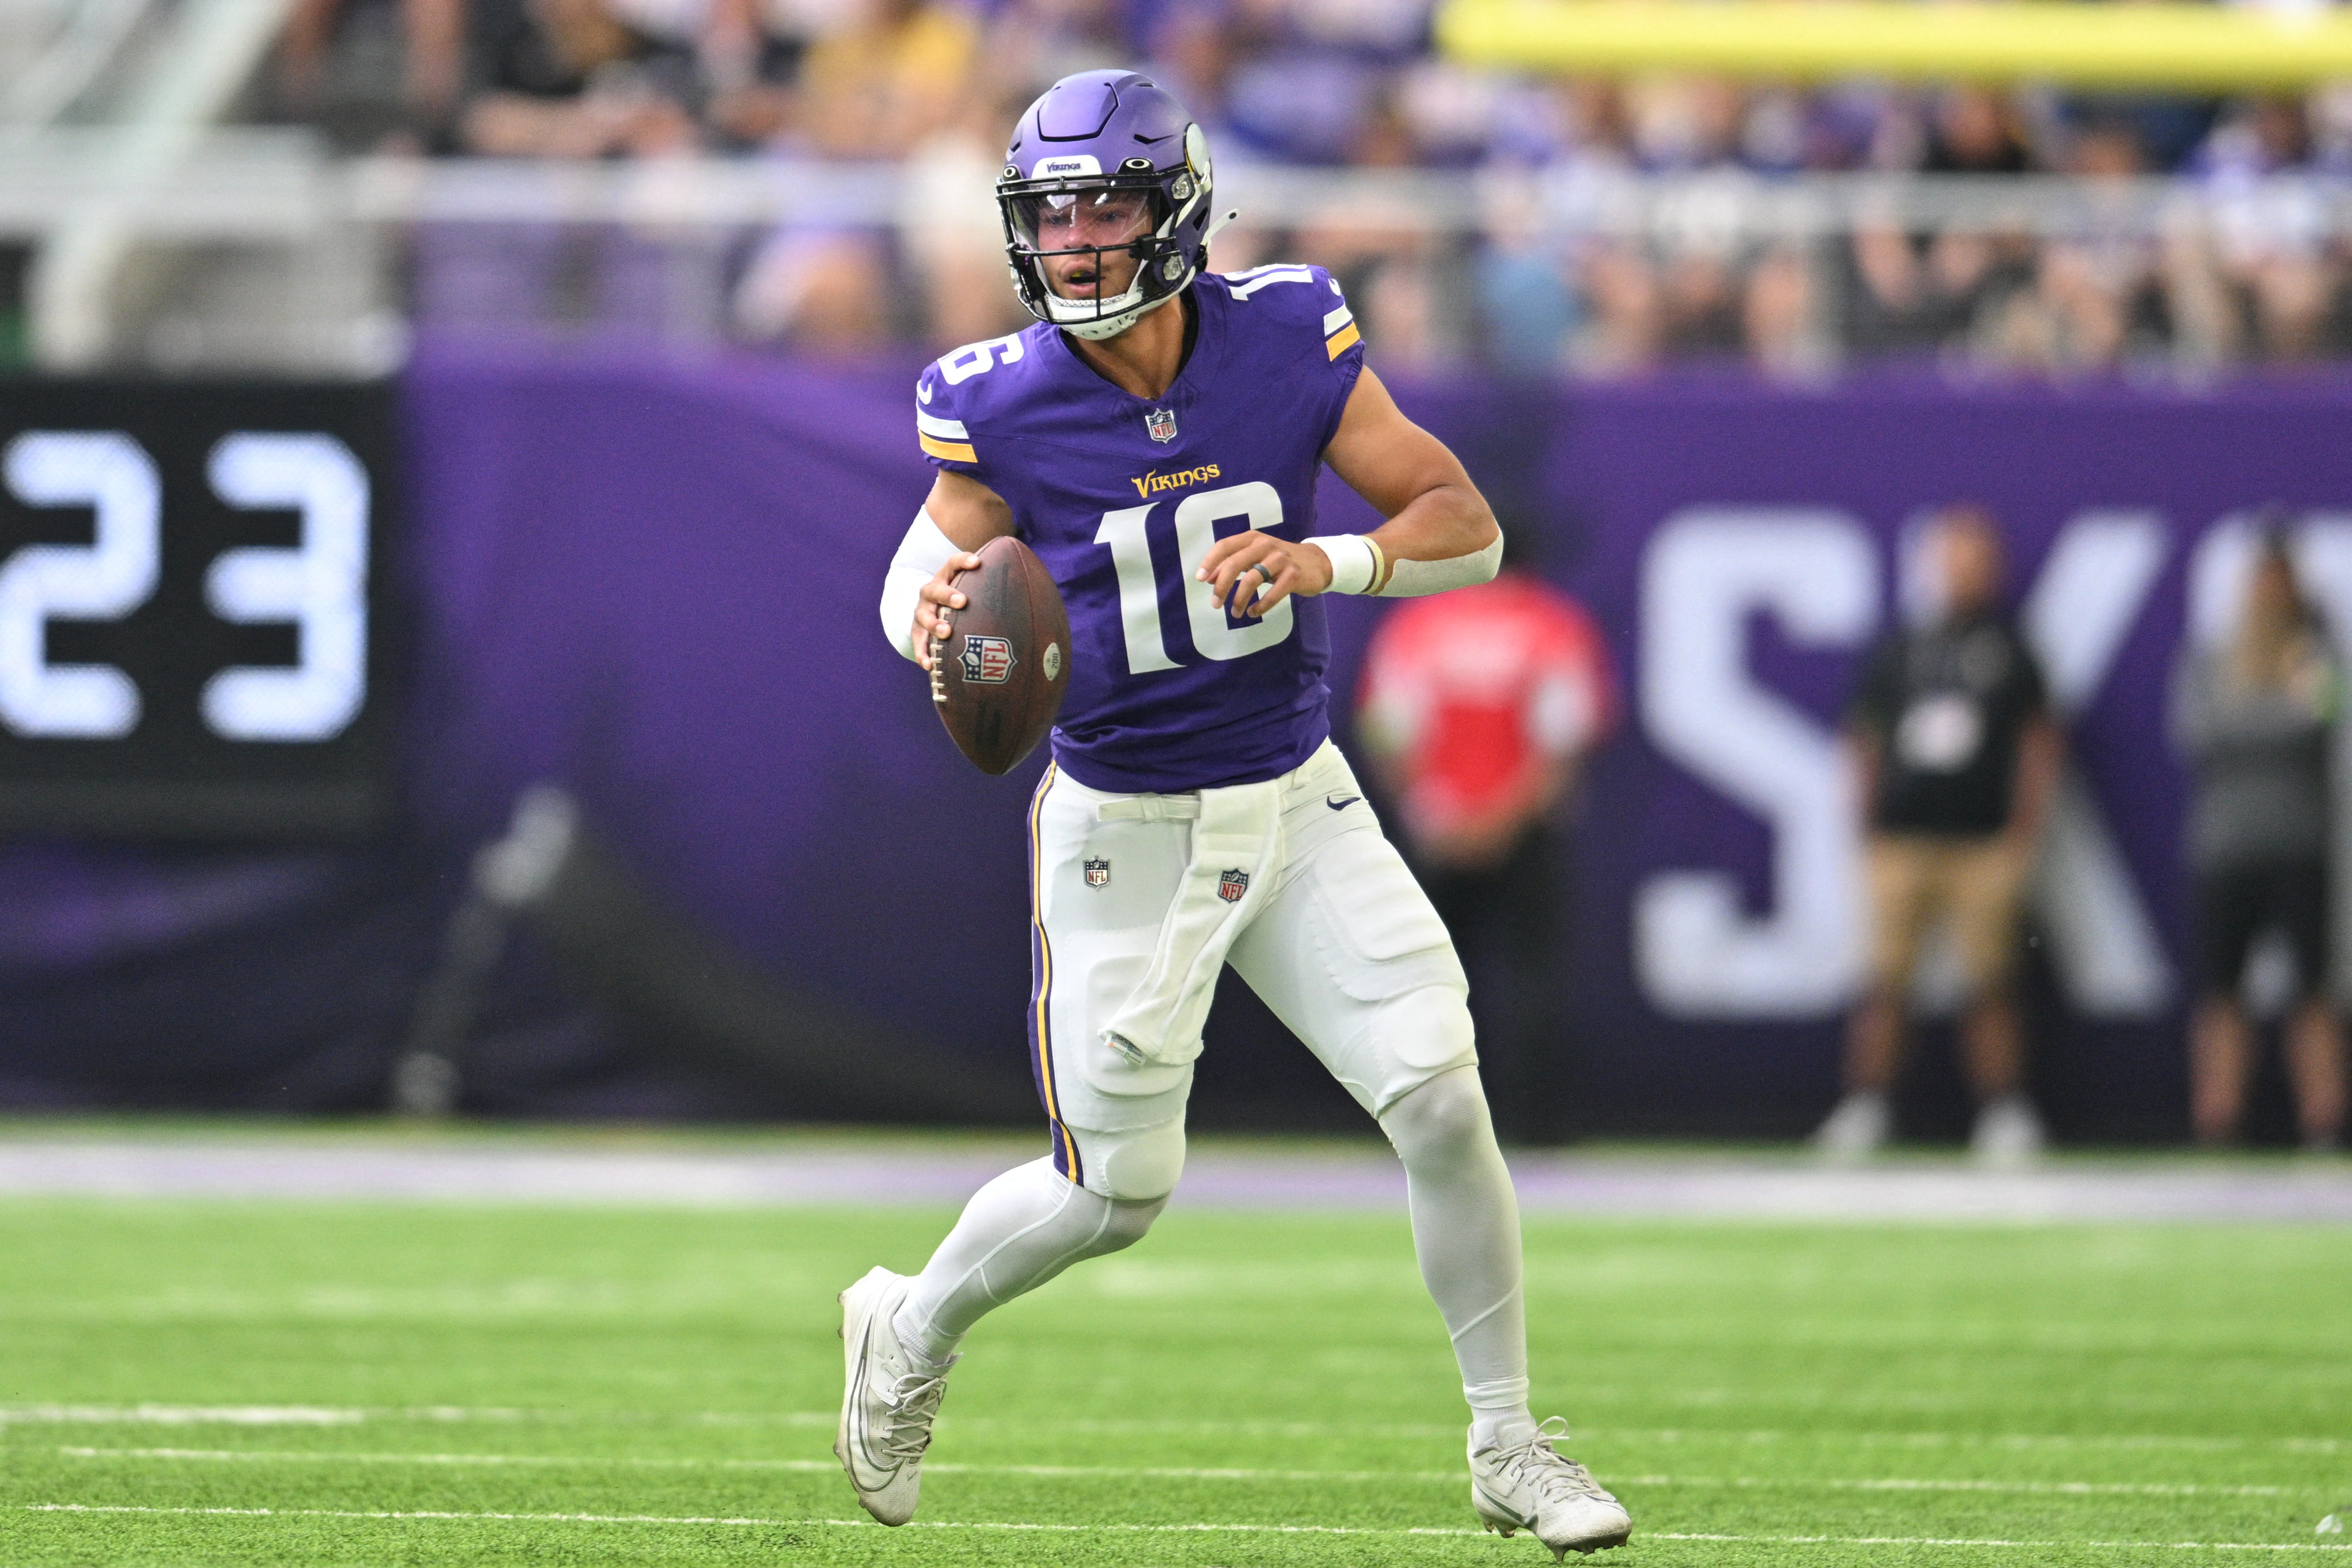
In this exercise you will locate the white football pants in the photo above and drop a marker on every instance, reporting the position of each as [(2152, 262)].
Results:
[(1349, 954)]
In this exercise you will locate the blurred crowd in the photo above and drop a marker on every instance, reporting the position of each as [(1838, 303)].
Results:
[(2246, 265)]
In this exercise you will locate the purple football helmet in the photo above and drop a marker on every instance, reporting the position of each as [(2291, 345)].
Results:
[(1106, 162)]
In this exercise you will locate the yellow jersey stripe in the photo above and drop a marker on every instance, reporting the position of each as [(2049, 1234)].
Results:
[(1345, 339), (958, 451)]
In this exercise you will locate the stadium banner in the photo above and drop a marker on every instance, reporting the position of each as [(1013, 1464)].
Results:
[(659, 582), (653, 581), (1743, 545)]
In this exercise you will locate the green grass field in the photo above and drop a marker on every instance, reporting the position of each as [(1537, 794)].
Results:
[(287, 1383)]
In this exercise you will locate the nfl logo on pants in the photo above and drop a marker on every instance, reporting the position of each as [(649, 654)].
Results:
[(1232, 886), (1097, 872)]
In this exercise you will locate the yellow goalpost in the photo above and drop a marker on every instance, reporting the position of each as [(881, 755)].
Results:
[(2154, 44)]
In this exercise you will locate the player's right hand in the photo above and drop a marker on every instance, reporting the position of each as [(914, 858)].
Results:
[(936, 598)]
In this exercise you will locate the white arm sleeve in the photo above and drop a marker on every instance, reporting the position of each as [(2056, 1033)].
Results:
[(920, 555), (1412, 578)]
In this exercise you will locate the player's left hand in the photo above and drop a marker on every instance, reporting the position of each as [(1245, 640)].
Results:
[(1259, 570)]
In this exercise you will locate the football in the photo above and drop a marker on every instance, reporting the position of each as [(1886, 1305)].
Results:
[(998, 679)]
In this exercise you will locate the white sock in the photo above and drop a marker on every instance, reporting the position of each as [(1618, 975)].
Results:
[(1465, 1232), (1016, 1233)]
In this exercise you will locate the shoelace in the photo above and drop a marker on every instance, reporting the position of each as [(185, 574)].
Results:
[(1553, 1475), (913, 1400)]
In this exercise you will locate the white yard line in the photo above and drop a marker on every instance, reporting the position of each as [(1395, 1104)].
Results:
[(337, 1416), (1164, 1472), (182, 1415), (1189, 1529), (636, 1461), (799, 1171), (1994, 1542), (709, 1519)]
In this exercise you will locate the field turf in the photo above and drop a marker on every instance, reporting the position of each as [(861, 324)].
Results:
[(282, 1383)]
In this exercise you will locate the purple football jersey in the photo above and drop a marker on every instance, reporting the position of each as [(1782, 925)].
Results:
[(1122, 497)]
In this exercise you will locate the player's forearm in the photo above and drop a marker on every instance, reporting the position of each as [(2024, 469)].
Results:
[(1446, 537), (1440, 532), (921, 554)]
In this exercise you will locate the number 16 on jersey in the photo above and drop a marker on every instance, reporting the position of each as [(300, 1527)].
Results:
[(1216, 633)]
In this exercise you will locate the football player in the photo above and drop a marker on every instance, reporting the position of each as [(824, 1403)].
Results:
[(1156, 440)]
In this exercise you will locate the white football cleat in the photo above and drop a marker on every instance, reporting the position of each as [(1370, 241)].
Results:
[(1532, 1488), (892, 1398), (1856, 1130), (2009, 1135)]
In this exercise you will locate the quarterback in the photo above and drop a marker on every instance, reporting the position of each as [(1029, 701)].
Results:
[(1155, 438)]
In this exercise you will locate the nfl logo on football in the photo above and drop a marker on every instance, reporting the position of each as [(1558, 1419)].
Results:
[(1161, 424), (987, 661), (1232, 886), (1097, 873)]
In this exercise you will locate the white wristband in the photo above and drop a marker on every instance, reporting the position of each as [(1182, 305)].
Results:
[(1355, 562)]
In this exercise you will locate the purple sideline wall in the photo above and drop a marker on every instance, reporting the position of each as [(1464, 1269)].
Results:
[(653, 581)]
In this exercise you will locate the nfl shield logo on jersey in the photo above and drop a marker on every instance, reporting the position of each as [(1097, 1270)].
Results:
[(1232, 886), (1161, 424), (1097, 873), (987, 661)]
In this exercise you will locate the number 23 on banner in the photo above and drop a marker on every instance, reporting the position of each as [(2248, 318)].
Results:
[(320, 587)]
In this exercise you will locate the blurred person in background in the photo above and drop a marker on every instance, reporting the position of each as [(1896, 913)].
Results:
[(567, 78), (1527, 308), (1975, 131), (1480, 709), (2256, 717), (381, 75), (2095, 290), (1956, 758), (2258, 279), (876, 89), (950, 228), (1921, 289)]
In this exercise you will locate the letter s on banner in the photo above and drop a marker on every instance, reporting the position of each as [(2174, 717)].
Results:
[(1708, 569)]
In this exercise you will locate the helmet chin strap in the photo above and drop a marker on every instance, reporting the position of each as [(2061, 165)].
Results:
[(1095, 331), (1074, 316)]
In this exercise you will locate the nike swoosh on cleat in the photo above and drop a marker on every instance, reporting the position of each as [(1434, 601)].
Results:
[(1339, 805), (858, 1434)]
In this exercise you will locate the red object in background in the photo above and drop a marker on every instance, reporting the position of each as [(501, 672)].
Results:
[(1471, 692)]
